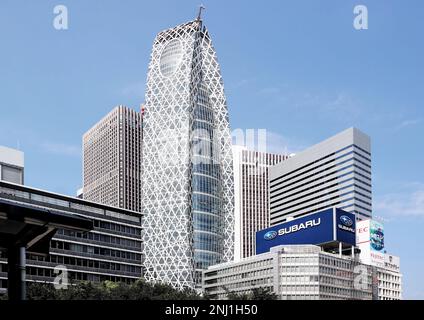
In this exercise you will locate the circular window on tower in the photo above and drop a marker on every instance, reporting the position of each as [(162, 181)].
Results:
[(171, 57)]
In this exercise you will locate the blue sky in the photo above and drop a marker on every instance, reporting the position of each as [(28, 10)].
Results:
[(296, 68)]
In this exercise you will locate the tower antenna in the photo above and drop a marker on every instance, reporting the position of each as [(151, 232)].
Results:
[(199, 16)]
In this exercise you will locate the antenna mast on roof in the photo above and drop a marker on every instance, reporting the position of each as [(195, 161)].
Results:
[(199, 16)]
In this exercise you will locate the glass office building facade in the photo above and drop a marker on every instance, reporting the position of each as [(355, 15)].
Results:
[(188, 175)]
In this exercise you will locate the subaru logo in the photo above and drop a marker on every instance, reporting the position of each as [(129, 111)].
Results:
[(348, 222), (270, 235)]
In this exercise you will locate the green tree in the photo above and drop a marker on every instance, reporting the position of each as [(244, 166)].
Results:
[(254, 294), (40, 291), (263, 294), (235, 296), (108, 290)]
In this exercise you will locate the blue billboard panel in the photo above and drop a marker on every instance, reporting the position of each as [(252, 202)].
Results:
[(345, 227), (318, 228), (311, 229)]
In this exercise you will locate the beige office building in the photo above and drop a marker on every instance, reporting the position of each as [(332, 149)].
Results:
[(112, 160), (250, 197)]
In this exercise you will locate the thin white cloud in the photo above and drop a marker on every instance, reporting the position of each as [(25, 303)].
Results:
[(274, 142), (271, 91), (61, 149), (343, 104), (241, 83), (135, 90), (338, 105), (408, 123), (277, 143), (407, 202)]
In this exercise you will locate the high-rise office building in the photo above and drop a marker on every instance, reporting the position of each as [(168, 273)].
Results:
[(188, 192), (11, 165), (333, 173), (250, 196), (112, 160)]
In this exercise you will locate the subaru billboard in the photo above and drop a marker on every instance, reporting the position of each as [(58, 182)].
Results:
[(318, 228)]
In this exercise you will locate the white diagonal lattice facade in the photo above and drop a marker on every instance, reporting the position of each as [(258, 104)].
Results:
[(188, 196)]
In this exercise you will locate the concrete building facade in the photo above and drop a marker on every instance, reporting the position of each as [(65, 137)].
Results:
[(112, 165), (295, 272), (333, 173), (11, 165), (390, 279), (111, 251), (250, 196)]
